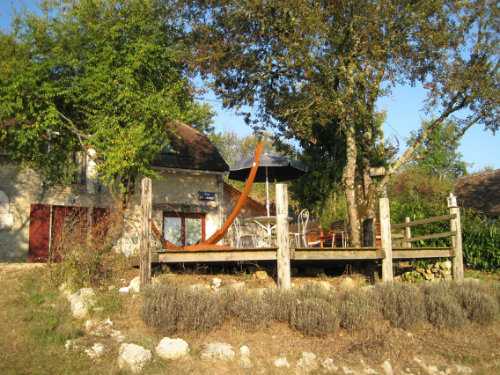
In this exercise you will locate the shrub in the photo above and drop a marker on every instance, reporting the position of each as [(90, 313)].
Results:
[(251, 311), (281, 303), (401, 304), (314, 317), (315, 290), (84, 252), (481, 242), (442, 307), (356, 309), (479, 305), (160, 306), (200, 310)]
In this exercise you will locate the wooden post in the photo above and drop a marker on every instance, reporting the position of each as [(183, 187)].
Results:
[(283, 238), (456, 243), (145, 257), (385, 233), (407, 233)]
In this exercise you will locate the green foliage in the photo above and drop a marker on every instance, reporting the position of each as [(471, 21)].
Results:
[(310, 68), (481, 242), (103, 74), (438, 156)]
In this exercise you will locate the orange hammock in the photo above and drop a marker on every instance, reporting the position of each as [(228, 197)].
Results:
[(210, 244)]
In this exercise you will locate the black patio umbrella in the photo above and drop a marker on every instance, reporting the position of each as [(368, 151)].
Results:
[(271, 168)]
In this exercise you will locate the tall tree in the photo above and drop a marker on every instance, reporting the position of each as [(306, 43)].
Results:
[(101, 74), (328, 62), (439, 156)]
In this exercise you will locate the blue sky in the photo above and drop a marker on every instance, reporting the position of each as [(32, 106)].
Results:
[(478, 147)]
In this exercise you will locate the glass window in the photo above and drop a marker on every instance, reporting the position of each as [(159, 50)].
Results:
[(172, 230), (183, 229)]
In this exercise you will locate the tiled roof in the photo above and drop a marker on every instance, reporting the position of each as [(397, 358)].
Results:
[(480, 191), (192, 150)]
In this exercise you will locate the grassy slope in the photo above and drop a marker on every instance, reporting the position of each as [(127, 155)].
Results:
[(35, 322)]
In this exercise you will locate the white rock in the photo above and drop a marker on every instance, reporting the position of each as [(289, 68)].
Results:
[(217, 350), (172, 348), (463, 369), (328, 365), (308, 361), (72, 345), (244, 360), (135, 285), (133, 357), (281, 362), (446, 265), (95, 351), (124, 289), (81, 302), (387, 367), (245, 350), (79, 309), (216, 283)]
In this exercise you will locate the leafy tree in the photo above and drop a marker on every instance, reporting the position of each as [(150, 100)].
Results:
[(301, 63), (101, 74), (437, 156)]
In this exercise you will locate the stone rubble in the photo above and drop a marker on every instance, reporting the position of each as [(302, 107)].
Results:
[(281, 362), (172, 349), (217, 351), (133, 357)]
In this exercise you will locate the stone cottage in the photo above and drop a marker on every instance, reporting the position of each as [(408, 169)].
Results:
[(187, 201)]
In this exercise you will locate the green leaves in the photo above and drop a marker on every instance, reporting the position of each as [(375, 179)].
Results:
[(103, 74)]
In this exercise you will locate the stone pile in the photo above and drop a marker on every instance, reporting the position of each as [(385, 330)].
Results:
[(432, 272)]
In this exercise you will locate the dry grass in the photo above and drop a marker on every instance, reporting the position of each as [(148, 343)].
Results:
[(29, 293)]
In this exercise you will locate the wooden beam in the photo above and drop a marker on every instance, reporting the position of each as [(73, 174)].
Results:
[(423, 221), (217, 256), (415, 253), (456, 242), (431, 236), (145, 257), (338, 254), (282, 237), (385, 233)]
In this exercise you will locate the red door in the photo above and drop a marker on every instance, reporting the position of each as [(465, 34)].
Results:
[(39, 233)]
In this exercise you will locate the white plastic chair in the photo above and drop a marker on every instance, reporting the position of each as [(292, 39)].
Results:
[(240, 236), (300, 236)]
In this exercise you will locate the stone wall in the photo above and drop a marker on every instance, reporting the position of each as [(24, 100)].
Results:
[(175, 191)]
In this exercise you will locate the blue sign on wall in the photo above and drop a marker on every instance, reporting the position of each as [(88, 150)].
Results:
[(206, 196)]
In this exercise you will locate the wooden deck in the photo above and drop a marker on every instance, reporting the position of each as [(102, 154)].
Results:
[(298, 254)]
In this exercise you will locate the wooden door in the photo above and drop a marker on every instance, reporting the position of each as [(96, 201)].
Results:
[(39, 233)]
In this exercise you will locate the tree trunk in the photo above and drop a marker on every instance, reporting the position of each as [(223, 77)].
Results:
[(350, 188)]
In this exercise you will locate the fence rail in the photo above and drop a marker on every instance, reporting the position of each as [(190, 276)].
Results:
[(283, 253)]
